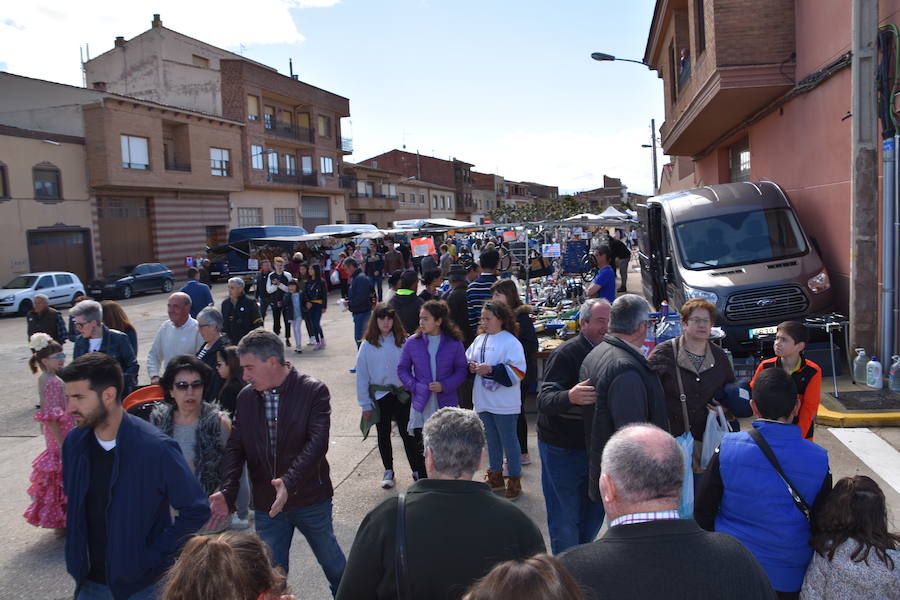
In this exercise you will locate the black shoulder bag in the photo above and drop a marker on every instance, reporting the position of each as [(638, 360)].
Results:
[(799, 502), (401, 569)]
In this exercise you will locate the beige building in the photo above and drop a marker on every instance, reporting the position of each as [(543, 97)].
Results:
[(422, 196), (46, 210), (373, 194)]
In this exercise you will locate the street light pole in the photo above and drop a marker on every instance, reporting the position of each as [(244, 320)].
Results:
[(652, 146)]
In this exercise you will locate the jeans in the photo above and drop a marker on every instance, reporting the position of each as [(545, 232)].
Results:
[(314, 522), (394, 410), (376, 284), (91, 590), (296, 326), (314, 319), (278, 315), (500, 431), (572, 518), (359, 325)]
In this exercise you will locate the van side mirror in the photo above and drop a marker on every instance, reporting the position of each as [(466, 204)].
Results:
[(670, 268)]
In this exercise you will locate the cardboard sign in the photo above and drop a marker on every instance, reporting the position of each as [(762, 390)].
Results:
[(422, 246), (509, 236), (550, 250), (253, 264)]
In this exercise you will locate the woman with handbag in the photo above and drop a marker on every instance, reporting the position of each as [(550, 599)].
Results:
[(432, 365), (692, 366)]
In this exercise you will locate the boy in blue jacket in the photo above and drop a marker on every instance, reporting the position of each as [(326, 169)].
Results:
[(122, 476)]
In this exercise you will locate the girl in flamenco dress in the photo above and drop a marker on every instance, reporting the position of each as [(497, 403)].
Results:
[(48, 502)]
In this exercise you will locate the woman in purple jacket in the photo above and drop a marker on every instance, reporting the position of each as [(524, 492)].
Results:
[(432, 365)]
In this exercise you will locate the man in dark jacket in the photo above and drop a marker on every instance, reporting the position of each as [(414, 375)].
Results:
[(44, 318), (375, 270), (621, 257), (648, 552), (281, 433), (393, 260), (456, 529), (122, 477), (459, 314), (200, 295), (262, 294), (240, 313), (572, 518), (359, 299), (406, 303), (94, 336), (628, 391)]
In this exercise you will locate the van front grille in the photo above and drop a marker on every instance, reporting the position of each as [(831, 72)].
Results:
[(767, 304)]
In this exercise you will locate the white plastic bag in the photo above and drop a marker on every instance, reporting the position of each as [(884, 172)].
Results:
[(335, 277), (686, 502), (716, 428)]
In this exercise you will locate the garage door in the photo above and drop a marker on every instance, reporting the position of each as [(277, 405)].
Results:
[(314, 210), (66, 250), (124, 232)]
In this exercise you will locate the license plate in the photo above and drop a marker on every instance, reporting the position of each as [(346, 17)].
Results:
[(96, 291), (763, 331)]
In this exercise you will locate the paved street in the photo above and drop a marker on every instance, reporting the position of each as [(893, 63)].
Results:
[(31, 562)]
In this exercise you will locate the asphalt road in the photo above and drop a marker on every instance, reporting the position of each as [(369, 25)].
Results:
[(31, 560)]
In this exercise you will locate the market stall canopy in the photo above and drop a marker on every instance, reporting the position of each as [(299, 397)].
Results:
[(612, 212), (583, 217), (415, 224)]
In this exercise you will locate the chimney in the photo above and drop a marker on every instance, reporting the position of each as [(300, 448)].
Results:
[(295, 77), (100, 85), (157, 22), (120, 42)]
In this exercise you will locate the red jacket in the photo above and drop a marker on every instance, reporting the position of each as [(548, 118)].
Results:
[(304, 419), (808, 379)]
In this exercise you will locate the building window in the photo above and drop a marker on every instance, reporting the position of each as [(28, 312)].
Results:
[(256, 157), (739, 161), (218, 162), (252, 108), (421, 198), (249, 217), (700, 16), (285, 216), (290, 164), (402, 197), (449, 201), (4, 182), (200, 61), (673, 83), (134, 153), (306, 165), (269, 117), (324, 126), (273, 162), (434, 201), (285, 117), (47, 182), (327, 164)]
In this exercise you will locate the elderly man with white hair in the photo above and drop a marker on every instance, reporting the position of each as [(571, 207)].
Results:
[(240, 314), (648, 552), (178, 335), (44, 318)]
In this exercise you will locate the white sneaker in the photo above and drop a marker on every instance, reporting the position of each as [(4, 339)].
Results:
[(311, 342), (238, 523), (388, 481)]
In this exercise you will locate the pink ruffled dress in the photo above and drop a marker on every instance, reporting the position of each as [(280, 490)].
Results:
[(48, 502)]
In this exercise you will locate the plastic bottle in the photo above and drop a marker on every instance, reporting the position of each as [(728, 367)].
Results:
[(859, 366), (873, 374), (894, 374)]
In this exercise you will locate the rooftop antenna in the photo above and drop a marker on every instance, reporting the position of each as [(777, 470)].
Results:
[(241, 49)]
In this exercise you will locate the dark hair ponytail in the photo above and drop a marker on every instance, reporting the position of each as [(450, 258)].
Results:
[(47, 351)]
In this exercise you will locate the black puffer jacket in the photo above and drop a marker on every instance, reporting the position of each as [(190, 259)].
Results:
[(407, 308)]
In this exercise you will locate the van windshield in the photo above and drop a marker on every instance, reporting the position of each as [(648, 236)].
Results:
[(740, 239)]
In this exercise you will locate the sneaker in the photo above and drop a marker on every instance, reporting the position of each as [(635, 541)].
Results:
[(318, 346), (322, 344), (353, 370), (387, 482), (311, 342), (298, 350), (287, 342), (238, 523), (526, 460), (415, 475)]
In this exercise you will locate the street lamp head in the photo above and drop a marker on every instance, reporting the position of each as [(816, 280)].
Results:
[(646, 146), (602, 56)]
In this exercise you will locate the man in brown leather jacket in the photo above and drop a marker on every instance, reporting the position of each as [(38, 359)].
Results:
[(281, 432)]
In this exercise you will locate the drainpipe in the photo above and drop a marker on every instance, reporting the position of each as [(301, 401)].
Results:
[(888, 256)]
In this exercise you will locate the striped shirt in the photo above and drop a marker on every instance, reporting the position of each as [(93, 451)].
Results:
[(644, 517), (477, 293)]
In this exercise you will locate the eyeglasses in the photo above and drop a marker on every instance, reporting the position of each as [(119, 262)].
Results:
[(183, 385), (82, 325), (699, 321)]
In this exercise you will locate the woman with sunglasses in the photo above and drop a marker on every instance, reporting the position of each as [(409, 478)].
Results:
[(201, 429), (48, 502), (380, 392), (498, 362)]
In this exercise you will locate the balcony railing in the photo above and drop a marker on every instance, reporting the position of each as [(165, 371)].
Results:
[(172, 165), (311, 179), (345, 144), (289, 130)]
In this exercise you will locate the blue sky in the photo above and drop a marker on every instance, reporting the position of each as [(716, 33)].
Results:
[(509, 86)]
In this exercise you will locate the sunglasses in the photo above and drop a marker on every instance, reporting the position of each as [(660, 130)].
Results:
[(60, 356), (183, 385)]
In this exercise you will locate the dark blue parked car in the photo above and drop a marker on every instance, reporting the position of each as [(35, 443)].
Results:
[(128, 280)]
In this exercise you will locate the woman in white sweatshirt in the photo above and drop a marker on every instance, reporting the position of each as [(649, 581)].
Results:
[(380, 392)]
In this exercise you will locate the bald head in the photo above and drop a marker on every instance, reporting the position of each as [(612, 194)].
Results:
[(644, 463), (179, 308)]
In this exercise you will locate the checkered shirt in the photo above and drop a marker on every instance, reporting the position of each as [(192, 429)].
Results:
[(272, 398), (644, 517)]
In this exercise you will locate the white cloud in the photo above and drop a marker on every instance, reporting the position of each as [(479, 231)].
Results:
[(572, 160), (41, 38)]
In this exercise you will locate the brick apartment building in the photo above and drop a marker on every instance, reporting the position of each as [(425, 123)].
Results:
[(539, 191), (612, 192), (423, 200), (292, 146), (373, 195), (487, 193), (454, 174), (731, 112), (158, 178)]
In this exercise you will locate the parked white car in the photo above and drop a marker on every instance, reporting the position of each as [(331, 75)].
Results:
[(60, 287)]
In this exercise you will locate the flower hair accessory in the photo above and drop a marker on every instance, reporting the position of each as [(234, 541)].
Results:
[(39, 341)]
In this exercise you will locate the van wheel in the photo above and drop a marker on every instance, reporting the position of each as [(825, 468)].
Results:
[(24, 307)]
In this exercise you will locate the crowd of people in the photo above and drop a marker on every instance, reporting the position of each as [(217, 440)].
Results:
[(155, 508)]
